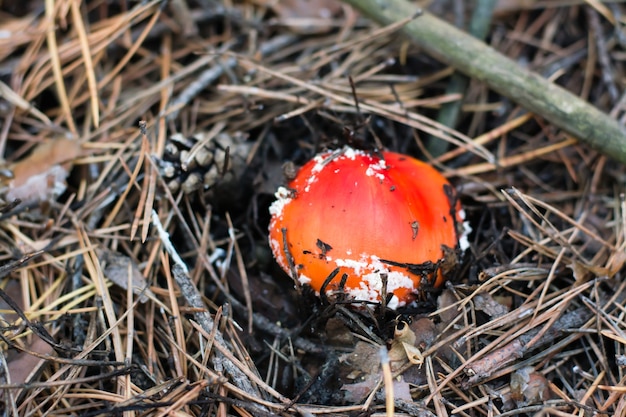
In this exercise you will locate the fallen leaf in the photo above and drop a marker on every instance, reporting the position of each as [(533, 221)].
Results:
[(529, 387), (307, 8), (362, 361), (364, 365), (413, 354), (403, 347), (360, 371), (307, 16), (13, 290), (40, 177), (357, 392), (616, 262), (425, 332), (448, 311), (267, 296), (24, 366), (401, 389), (337, 333), (118, 268)]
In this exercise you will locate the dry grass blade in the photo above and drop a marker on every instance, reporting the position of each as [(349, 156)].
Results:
[(15, 99), (89, 70), (56, 66)]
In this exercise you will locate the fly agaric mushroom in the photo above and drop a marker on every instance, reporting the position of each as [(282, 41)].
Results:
[(352, 221)]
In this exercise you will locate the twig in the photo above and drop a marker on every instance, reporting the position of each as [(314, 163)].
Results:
[(16, 100), (603, 54), (57, 68), (386, 369), (194, 300), (7, 396), (79, 24), (496, 360), (210, 75), (472, 57)]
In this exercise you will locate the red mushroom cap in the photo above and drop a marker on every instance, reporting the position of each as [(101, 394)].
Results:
[(366, 217)]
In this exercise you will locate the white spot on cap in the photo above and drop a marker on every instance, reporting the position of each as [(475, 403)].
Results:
[(350, 153), (283, 197), (371, 269), (375, 169), (304, 280), (278, 253), (467, 229)]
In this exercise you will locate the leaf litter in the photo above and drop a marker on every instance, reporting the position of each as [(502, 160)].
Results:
[(193, 317)]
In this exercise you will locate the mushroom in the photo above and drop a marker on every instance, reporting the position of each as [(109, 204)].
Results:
[(361, 223)]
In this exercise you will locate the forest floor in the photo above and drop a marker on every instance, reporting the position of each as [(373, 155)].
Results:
[(138, 281)]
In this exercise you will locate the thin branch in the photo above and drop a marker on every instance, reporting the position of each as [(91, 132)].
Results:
[(476, 59), (194, 300)]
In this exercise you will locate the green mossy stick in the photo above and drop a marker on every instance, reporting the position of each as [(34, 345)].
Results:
[(476, 59), (450, 111)]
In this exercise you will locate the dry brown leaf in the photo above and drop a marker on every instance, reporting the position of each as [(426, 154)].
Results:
[(117, 269), (362, 361), (448, 312), (271, 298), (529, 387), (41, 176), (401, 389), (583, 273), (13, 290), (617, 261), (359, 391), (425, 332), (338, 333), (307, 8), (403, 347), (363, 366), (307, 16), (23, 366), (413, 354)]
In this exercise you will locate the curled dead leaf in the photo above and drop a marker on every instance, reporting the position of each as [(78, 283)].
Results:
[(413, 354), (403, 347), (41, 176)]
